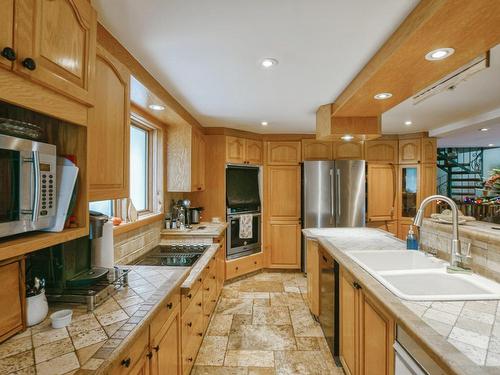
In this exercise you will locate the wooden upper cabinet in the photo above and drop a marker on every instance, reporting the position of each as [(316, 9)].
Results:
[(429, 150), (253, 152), (409, 151), (382, 151), (283, 152), (197, 161), (6, 30), (353, 150), (55, 43), (313, 149), (382, 192), (109, 131), (283, 192), (235, 150)]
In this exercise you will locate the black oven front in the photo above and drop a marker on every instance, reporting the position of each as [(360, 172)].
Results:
[(238, 247)]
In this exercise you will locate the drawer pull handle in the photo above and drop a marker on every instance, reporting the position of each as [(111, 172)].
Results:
[(237, 268), (126, 362), (170, 305), (199, 304), (207, 289), (356, 285), (208, 267), (190, 324), (29, 63), (214, 300), (200, 334), (200, 279), (213, 277), (255, 262), (157, 348), (149, 355), (9, 54), (190, 359), (189, 296)]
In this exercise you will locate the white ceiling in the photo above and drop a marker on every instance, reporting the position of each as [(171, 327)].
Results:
[(455, 115), (206, 53)]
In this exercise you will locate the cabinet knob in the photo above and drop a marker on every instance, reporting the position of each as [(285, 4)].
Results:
[(9, 54), (255, 262), (189, 296), (190, 359), (156, 348), (356, 285), (29, 63), (200, 334), (207, 289), (199, 187), (170, 305), (237, 268), (190, 324), (149, 355), (126, 362), (199, 304), (200, 279), (213, 277)]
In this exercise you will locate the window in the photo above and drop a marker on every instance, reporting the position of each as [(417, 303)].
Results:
[(139, 168), (104, 207)]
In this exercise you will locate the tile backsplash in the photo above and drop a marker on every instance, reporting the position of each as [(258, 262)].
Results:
[(131, 245)]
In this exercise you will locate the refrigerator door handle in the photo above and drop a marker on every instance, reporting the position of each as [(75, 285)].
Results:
[(332, 197), (338, 193)]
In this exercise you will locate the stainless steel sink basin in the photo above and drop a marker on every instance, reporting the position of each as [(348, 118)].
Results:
[(393, 260)]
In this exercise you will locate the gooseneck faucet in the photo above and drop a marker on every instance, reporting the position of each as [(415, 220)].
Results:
[(456, 250)]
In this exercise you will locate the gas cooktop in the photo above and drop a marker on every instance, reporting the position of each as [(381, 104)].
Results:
[(183, 255)]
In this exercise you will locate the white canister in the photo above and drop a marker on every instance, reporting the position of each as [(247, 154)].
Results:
[(36, 309)]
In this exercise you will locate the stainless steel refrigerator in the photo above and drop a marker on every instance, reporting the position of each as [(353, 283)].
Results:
[(333, 196)]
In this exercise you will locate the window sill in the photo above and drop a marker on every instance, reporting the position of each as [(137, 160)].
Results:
[(142, 221)]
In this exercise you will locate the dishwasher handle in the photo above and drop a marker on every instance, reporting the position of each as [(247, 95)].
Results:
[(404, 363)]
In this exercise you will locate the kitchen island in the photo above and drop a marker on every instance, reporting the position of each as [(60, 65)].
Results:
[(461, 336)]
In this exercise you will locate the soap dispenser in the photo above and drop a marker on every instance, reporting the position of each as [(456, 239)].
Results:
[(411, 240)]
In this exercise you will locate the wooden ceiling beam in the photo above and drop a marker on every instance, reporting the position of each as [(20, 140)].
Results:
[(399, 67)]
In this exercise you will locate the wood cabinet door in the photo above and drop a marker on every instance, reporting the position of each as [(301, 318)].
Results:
[(12, 297), (141, 368), (429, 150), (312, 269), (349, 306), (59, 36), (348, 150), (283, 192), (381, 194), (316, 150), (109, 131), (235, 150), (376, 338), (6, 29), (253, 152), (284, 244), (384, 151), (409, 151), (283, 153), (167, 349), (408, 190)]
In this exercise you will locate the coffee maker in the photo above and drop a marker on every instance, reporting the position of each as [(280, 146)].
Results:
[(68, 271)]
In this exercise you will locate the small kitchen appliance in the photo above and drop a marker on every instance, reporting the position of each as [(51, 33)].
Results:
[(195, 214), (28, 178)]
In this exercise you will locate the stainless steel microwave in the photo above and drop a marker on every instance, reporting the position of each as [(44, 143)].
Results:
[(27, 185)]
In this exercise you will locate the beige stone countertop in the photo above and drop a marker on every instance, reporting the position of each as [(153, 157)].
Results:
[(463, 335), (199, 266), (94, 339), (208, 230), (479, 230)]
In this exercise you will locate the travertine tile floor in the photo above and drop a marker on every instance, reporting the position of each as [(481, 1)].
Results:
[(262, 326)]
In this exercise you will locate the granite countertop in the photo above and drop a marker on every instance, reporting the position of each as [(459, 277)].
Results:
[(464, 335), (93, 340), (209, 230)]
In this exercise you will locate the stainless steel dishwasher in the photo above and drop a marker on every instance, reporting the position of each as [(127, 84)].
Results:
[(329, 302)]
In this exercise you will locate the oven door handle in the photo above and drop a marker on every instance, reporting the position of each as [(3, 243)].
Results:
[(237, 216), (36, 186)]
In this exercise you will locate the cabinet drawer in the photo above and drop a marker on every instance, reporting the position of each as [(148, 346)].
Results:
[(192, 331), (187, 295), (242, 266), (166, 311), (133, 355)]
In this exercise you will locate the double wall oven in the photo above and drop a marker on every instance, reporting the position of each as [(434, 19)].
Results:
[(243, 210), (27, 185)]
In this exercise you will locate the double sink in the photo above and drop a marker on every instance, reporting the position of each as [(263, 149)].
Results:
[(414, 276)]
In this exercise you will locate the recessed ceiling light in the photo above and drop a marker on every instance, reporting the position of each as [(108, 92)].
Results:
[(156, 107), (439, 54), (264, 123), (268, 62), (484, 129), (408, 122), (347, 137), (491, 145), (383, 95)]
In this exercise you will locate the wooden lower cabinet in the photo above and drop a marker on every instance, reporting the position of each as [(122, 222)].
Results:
[(366, 331), (284, 244), (12, 295), (242, 266), (313, 275)]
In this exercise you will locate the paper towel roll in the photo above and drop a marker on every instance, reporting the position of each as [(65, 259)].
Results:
[(103, 253)]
